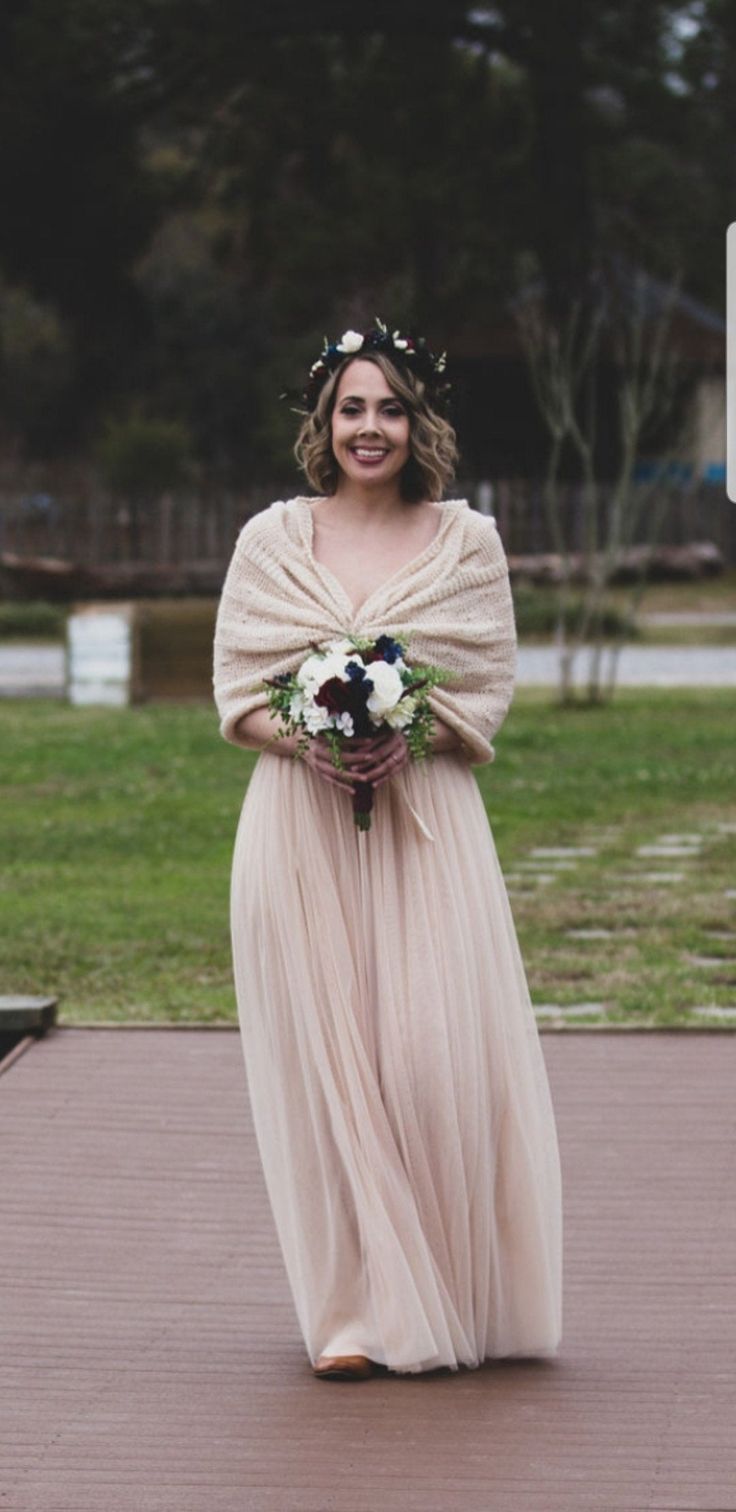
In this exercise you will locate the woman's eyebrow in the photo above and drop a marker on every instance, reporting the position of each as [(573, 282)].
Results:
[(356, 399)]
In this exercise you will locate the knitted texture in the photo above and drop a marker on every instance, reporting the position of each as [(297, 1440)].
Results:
[(451, 605)]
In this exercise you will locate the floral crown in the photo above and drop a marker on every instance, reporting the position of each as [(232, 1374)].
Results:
[(408, 351)]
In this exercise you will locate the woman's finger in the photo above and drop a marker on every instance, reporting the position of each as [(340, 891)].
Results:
[(324, 767), (372, 758), (386, 768)]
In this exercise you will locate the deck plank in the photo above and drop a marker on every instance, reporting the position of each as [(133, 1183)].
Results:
[(150, 1359)]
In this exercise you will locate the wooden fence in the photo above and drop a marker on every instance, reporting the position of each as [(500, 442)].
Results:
[(83, 525)]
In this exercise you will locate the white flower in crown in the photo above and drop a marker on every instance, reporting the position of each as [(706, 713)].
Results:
[(350, 341), (399, 341)]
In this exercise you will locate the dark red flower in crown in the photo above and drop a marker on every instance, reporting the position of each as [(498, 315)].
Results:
[(410, 352)]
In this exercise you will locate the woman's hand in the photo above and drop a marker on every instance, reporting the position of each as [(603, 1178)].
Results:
[(375, 758), (317, 755)]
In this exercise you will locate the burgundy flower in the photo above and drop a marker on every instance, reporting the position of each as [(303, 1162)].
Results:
[(334, 696)]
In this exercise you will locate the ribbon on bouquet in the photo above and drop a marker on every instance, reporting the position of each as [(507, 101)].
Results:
[(418, 820), (416, 817)]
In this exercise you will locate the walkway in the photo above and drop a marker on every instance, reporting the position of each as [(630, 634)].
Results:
[(31, 671), (149, 1356), (640, 667)]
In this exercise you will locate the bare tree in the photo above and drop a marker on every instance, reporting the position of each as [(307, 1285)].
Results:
[(564, 360)]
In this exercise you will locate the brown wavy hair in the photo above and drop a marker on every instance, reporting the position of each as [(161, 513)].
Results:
[(434, 456)]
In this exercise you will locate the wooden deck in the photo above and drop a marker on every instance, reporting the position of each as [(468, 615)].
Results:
[(150, 1359)]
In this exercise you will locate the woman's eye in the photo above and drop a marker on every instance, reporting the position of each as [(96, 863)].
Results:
[(394, 412)]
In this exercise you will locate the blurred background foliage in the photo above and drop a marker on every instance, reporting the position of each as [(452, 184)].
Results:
[(193, 193)]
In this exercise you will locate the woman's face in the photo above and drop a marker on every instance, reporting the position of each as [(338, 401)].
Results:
[(370, 425)]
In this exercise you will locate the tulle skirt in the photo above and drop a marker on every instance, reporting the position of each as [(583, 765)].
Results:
[(395, 1073)]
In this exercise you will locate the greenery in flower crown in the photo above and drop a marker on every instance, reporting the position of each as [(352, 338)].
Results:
[(410, 351)]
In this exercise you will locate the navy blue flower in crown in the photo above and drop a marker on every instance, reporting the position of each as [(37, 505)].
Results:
[(410, 352)]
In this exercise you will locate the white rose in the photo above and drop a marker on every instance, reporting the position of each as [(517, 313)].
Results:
[(403, 714), (333, 665), (310, 672), (317, 668), (387, 688), (351, 341), (316, 718)]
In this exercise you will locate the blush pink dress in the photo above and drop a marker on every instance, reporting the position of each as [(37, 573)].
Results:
[(396, 1077)]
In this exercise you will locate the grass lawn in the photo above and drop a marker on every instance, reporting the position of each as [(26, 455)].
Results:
[(118, 830), (706, 595)]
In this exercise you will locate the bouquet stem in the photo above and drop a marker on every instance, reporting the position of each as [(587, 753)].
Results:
[(363, 804)]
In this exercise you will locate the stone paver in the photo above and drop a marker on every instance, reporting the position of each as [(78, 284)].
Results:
[(710, 960), (691, 840), (562, 851), (658, 876), (590, 934), (549, 863), (569, 1010), (665, 851)]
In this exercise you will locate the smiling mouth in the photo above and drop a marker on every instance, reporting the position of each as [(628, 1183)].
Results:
[(369, 453)]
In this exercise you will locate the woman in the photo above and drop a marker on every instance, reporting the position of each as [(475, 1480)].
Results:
[(396, 1078)]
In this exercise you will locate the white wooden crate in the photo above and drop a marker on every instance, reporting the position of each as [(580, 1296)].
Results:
[(102, 655)]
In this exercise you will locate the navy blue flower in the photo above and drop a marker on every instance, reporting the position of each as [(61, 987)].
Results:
[(357, 674), (389, 649)]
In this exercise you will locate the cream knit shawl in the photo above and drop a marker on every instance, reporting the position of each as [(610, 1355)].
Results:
[(452, 603)]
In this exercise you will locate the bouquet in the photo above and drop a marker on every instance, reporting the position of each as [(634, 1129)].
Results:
[(350, 689)]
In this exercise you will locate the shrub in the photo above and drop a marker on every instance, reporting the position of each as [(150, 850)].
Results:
[(536, 614), (35, 618)]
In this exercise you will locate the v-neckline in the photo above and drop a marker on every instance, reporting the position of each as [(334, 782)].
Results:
[(326, 572)]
